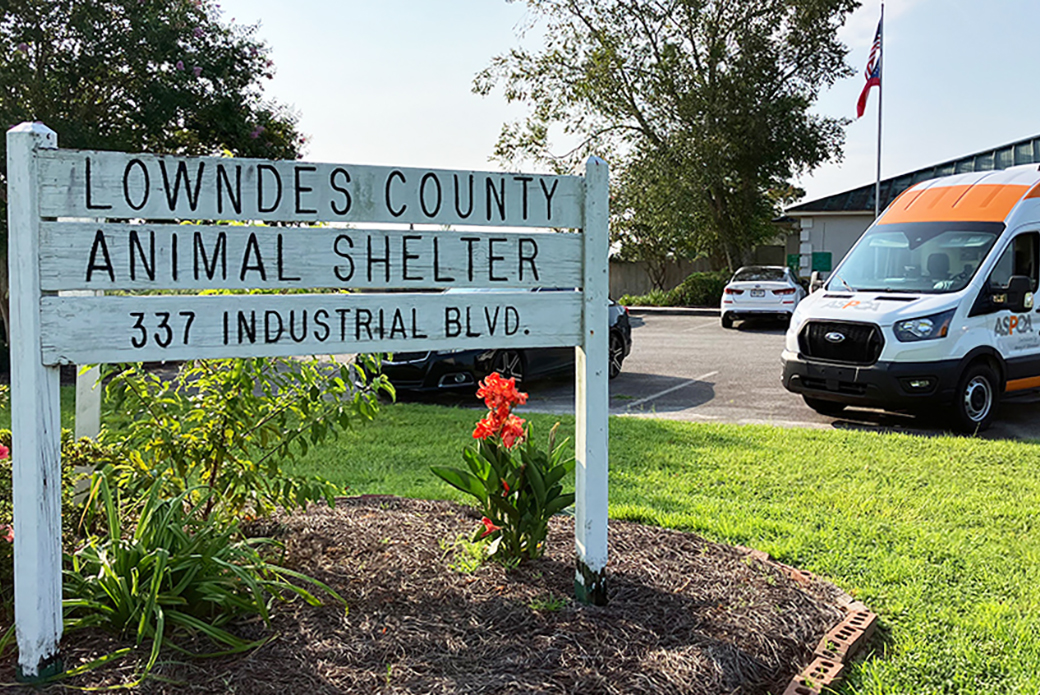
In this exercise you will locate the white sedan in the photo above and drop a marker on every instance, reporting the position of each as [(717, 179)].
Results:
[(760, 291)]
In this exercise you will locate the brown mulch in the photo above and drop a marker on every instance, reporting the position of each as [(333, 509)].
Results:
[(684, 616)]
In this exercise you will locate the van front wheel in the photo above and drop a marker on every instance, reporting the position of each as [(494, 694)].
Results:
[(976, 399)]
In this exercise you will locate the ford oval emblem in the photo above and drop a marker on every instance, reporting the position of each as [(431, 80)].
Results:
[(834, 337)]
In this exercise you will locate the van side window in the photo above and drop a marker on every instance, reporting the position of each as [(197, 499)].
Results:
[(1019, 258)]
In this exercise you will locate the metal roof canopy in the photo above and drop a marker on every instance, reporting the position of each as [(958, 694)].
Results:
[(861, 200)]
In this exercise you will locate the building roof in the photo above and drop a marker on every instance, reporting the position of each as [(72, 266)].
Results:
[(861, 200)]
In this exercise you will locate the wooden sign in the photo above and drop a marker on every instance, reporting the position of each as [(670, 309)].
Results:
[(85, 222), (142, 186), (79, 256), (86, 330)]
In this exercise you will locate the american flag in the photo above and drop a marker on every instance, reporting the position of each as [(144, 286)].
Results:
[(872, 73)]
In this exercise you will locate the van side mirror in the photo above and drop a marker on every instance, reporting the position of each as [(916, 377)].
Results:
[(1017, 297), (815, 282)]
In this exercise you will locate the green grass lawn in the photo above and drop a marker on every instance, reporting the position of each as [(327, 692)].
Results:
[(68, 410), (940, 536)]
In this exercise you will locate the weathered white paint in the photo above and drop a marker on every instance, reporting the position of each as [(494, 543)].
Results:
[(76, 256), (134, 186), (592, 394), (35, 418), (88, 393), (47, 330), (85, 330), (88, 402)]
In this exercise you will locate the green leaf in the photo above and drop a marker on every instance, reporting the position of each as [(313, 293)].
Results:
[(466, 482), (559, 504)]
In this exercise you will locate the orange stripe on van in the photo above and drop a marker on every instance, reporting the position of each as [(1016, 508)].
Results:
[(979, 203), (1034, 192), (1021, 384)]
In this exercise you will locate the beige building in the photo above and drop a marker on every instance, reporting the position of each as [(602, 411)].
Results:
[(828, 227)]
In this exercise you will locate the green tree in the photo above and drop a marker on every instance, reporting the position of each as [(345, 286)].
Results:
[(703, 106), (163, 76)]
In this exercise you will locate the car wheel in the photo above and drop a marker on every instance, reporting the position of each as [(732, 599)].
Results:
[(509, 364), (829, 408), (727, 321), (617, 354), (975, 402)]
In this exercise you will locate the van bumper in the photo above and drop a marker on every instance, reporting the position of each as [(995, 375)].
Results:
[(889, 385)]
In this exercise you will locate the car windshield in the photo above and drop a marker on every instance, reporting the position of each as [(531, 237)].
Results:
[(759, 274), (926, 257)]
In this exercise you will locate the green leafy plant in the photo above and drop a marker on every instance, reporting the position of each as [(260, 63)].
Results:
[(75, 456), (518, 486), (548, 603), (223, 429), (177, 572)]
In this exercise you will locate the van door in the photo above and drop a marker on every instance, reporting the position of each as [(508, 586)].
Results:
[(1016, 335)]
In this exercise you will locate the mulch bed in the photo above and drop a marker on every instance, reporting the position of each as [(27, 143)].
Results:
[(684, 616)]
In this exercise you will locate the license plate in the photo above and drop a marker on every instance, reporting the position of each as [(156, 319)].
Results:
[(758, 293)]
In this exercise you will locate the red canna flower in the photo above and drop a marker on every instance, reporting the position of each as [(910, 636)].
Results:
[(489, 527), (506, 486), (488, 427), (500, 393), (6, 533), (4, 452), (512, 431)]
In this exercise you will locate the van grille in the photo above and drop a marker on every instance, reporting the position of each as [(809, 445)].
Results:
[(861, 345)]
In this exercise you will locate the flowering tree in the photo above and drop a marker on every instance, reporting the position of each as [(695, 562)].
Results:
[(518, 487), (164, 76)]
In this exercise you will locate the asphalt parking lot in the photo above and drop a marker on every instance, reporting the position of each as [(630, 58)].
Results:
[(687, 367)]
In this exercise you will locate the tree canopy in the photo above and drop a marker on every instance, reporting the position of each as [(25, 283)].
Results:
[(163, 76), (703, 108)]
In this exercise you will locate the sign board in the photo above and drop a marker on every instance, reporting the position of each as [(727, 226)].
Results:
[(528, 270)]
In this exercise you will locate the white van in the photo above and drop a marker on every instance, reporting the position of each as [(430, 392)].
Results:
[(933, 306)]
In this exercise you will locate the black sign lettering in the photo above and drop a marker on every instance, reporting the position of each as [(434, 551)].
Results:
[(422, 194), (173, 197), (260, 169), (340, 171), (90, 202), (389, 206), (343, 276), (458, 208), (236, 196), (137, 251), (92, 264), (301, 189), (146, 180)]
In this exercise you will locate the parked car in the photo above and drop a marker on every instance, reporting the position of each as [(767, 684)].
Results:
[(462, 369), (761, 291)]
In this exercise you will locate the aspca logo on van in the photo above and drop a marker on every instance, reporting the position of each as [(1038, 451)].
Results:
[(1016, 323)]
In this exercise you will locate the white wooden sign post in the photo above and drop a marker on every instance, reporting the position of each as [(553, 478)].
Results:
[(506, 245)]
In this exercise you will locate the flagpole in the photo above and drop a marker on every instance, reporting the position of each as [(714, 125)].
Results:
[(881, 91)]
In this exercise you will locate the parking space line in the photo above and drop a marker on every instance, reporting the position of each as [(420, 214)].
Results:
[(641, 401), (712, 322)]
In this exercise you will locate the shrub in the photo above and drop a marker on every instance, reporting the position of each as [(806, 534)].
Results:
[(177, 572), (653, 298), (518, 487), (700, 289), (222, 429), (74, 455)]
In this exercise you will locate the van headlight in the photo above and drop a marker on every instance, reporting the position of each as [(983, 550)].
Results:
[(924, 328)]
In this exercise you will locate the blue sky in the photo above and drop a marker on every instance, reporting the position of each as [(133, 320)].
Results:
[(388, 82)]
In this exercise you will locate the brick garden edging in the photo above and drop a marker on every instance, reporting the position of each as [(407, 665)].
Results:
[(846, 640)]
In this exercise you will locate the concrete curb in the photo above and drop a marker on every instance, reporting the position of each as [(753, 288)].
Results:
[(673, 311)]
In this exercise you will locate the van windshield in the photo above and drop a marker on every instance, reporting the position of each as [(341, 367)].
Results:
[(926, 257)]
